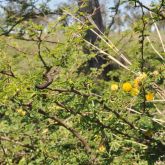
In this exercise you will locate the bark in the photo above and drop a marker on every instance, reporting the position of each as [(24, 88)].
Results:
[(92, 8)]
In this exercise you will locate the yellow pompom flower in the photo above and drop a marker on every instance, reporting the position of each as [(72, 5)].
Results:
[(149, 96), (102, 148), (134, 91), (142, 76), (136, 83), (21, 112), (127, 87), (114, 87), (139, 79)]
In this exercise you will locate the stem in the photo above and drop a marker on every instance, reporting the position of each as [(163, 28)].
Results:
[(155, 49), (73, 131), (160, 37), (4, 152), (142, 42), (39, 50)]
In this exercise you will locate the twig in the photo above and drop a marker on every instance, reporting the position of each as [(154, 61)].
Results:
[(155, 48), (157, 109), (151, 10), (4, 152), (107, 41), (158, 32), (95, 120), (99, 100), (39, 50), (17, 142), (19, 50), (35, 40), (73, 131), (117, 5), (49, 75), (109, 44), (142, 62), (8, 73), (153, 101), (108, 55)]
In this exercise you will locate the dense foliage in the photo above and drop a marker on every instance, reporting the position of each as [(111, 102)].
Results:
[(55, 109)]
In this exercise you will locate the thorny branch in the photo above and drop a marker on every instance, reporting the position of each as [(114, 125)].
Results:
[(39, 50), (8, 73), (3, 138), (105, 106), (72, 130), (49, 77), (142, 61), (157, 12), (116, 12)]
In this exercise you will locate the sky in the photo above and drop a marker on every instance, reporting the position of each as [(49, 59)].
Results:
[(54, 3), (57, 2)]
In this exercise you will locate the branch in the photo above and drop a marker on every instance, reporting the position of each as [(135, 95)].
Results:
[(95, 120), (118, 115), (116, 12), (26, 17), (73, 131), (160, 37), (17, 49), (151, 10), (39, 50), (155, 48), (48, 41), (49, 76), (3, 138), (99, 100), (8, 73)]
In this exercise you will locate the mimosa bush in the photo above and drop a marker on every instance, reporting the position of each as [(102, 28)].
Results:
[(58, 106)]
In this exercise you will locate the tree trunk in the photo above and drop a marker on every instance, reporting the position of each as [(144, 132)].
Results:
[(92, 8)]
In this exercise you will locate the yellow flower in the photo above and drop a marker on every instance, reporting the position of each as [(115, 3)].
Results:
[(142, 76), (134, 91), (114, 87), (136, 83), (139, 79), (127, 87), (149, 96), (21, 112), (102, 148)]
